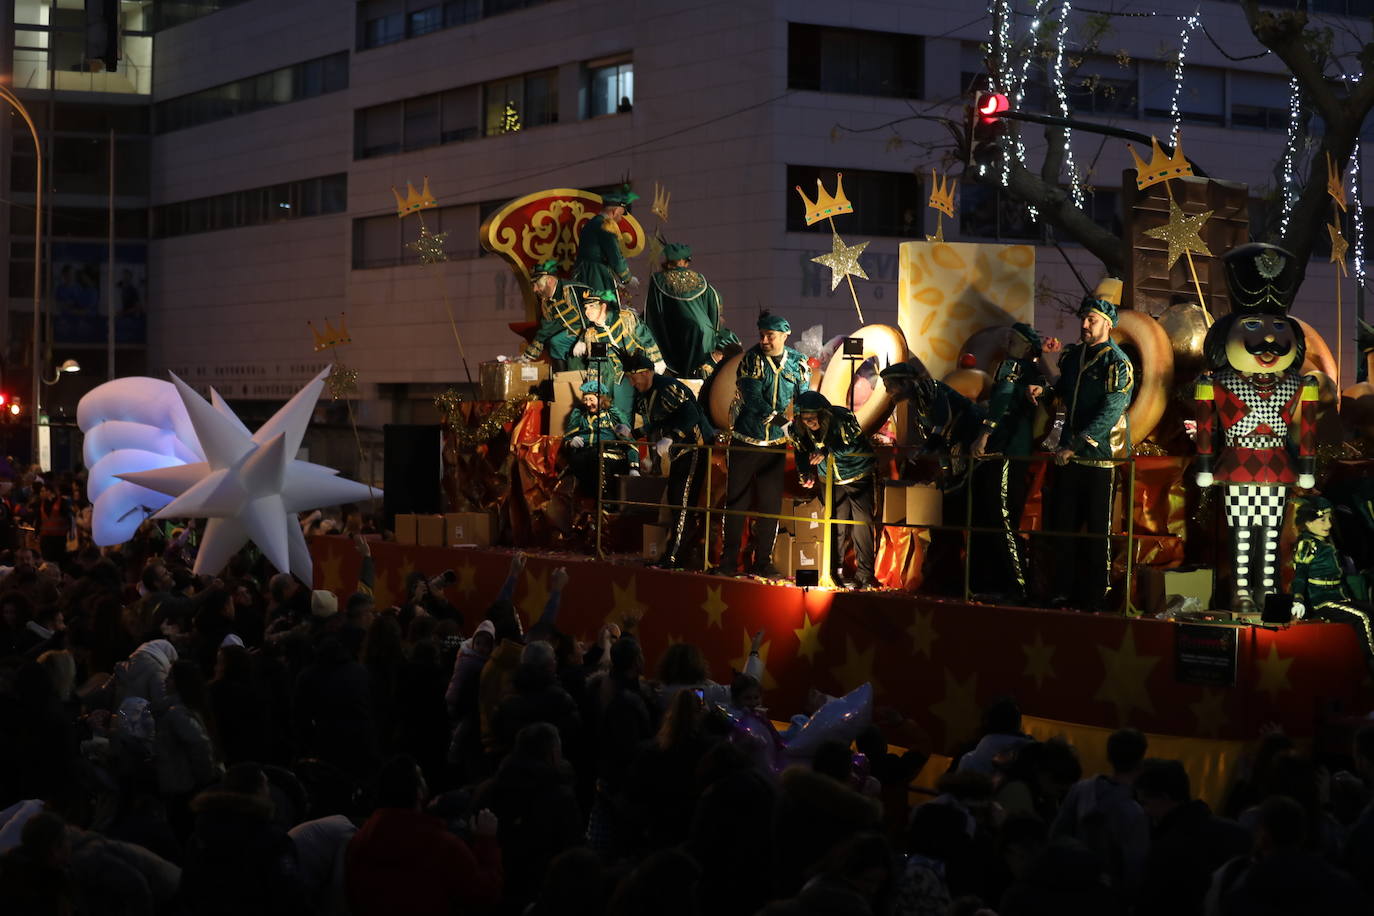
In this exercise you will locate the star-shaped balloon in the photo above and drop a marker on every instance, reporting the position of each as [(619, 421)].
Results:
[(843, 260), (250, 485), (430, 246), (1181, 232), (1338, 246)]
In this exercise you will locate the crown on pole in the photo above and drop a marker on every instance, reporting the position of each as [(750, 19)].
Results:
[(1161, 167), (826, 206), (942, 193), (661, 197), (414, 201), (331, 337)]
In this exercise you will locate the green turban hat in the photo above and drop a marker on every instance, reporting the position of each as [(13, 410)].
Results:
[(676, 251), (770, 322)]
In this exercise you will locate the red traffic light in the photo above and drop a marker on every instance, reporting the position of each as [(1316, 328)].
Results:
[(990, 106), (4, 399)]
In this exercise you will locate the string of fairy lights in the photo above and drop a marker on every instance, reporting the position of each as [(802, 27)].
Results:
[(1061, 94), (1290, 152), (1189, 24)]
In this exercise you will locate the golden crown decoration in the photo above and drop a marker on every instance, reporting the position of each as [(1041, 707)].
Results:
[(331, 337), (942, 193), (661, 197), (826, 206), (1335, 184), (414, 201), (1161, 167)]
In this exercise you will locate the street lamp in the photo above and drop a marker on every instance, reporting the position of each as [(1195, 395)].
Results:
[(8, 95), (70, 365)]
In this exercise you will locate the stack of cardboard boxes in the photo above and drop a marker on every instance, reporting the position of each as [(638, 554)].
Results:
[(455, 529), (799, 542)]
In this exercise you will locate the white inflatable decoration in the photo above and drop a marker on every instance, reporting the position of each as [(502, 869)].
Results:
[(194, 459)]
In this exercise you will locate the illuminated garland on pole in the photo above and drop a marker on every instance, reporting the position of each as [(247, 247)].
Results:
[(1289, 152), (1061, 93), (1189, 24)]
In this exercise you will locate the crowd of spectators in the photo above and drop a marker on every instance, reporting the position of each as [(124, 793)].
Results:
[(175, 744)]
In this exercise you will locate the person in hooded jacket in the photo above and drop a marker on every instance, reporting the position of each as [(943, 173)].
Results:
[(829, 438), (532, 798), (237, 859)]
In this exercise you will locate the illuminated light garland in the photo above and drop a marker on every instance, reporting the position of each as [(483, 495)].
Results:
[(1189, 24), (1061, 93), (1289, 152), (1358, 204)]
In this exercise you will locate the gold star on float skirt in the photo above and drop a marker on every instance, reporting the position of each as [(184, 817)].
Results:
[(342, 381), (843, 260), (429, 246), (1181, 232), (1338, 246)]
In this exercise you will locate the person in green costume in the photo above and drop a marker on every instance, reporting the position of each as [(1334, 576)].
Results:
[(999, 484), (685, 314), (824, 431), (560, 315), (1319, 587), (590, 426), (619, 328), (600, 261)]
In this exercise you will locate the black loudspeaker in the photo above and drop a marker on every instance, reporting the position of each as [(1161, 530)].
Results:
[(808, 578), (411, 466), (1277, 609)]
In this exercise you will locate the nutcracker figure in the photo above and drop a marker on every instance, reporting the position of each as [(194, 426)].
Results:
[(1251, 400)]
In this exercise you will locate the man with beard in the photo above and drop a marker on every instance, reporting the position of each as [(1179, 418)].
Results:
[(1094, 386), (560, 315)]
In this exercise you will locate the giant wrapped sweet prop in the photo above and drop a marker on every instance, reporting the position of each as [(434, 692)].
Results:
[(1252, 398), (153, 448)]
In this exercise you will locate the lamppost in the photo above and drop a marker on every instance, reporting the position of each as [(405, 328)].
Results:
[(8, 95)]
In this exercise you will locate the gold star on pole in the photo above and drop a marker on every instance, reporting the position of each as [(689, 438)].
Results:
[(342, 381), (1338, 246), (1181, 232), (843, 260), (959, 709), (714, 606), (767, 681), (1273, 676), (1124, 683), (922, 632), (810, 637), (1039, 658), (429, 246), (857, 668), (1210, 712)]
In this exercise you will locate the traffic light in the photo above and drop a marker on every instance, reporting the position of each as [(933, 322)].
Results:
[(985, 124)]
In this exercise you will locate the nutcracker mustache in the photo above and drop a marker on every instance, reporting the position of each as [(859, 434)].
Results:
[(1273, 348)]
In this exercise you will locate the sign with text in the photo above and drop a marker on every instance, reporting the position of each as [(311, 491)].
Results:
[(1205, 655)]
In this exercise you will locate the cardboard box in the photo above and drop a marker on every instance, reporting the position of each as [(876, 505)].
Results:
[(924, 505), (655, 539), (566, 392), (810, 513), (1155, 587), (894, 505), (506, 380), (793, 553), (467, 529), (429, 530), (405, 528)]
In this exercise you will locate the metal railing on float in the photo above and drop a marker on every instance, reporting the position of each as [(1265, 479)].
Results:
[(967, 529)]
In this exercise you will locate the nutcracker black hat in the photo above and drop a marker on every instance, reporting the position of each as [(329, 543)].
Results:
[(636, 361), (1261, 278)]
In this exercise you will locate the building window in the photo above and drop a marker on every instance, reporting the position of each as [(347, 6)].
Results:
[(885, 203), (984, 213), (254, 93), (384, 22), (1259, 100), (519, 102), (854, 62), (1201, 101), (51, 48), (380, 241), (253, 207), (608, 87), (411, 124), (174, 12)]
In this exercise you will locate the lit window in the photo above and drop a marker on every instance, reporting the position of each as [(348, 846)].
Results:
[(609, 88)]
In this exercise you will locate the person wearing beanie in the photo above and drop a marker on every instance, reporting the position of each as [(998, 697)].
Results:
[(826, 436), (323, 604), (560, 315), (1094, 387), (999, 483), (686, 316), (675, 424), (769, 378), (1319, 587)]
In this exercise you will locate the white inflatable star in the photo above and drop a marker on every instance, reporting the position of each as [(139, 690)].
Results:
[(250, 486)]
